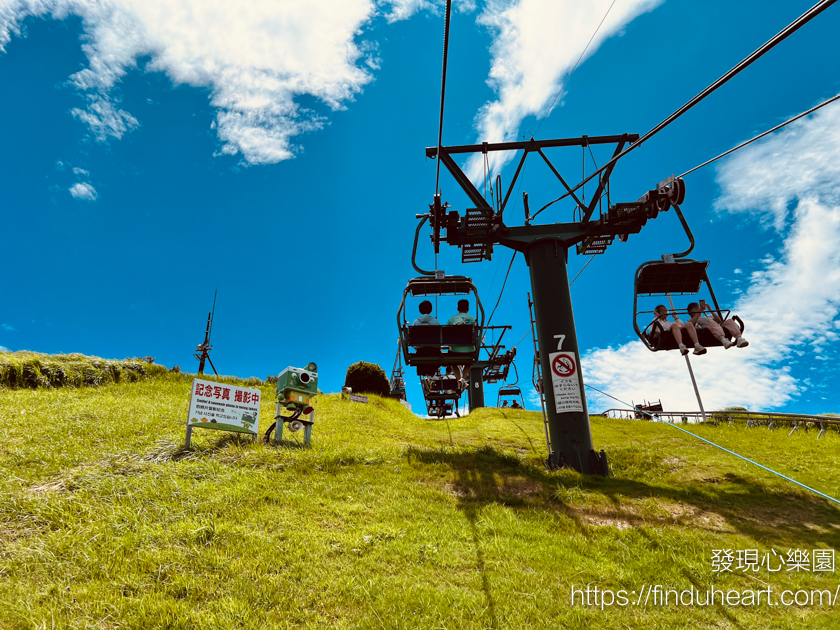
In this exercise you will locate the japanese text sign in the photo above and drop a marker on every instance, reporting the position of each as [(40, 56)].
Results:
[(224, 407)]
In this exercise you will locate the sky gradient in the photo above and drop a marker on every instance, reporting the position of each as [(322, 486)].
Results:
[(154, 152)]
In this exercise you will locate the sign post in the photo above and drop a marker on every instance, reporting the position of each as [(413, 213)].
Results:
[(223, 408)]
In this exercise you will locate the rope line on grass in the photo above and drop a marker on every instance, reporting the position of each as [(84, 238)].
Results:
[(746, 459)]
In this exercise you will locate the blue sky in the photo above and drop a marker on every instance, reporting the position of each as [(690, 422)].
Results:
[(154, 152)]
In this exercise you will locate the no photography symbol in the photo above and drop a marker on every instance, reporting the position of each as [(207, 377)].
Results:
[(563, 366)]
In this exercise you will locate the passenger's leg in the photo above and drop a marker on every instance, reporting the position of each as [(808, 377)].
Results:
[(677, 332), (692, 333), (716, 330), (732, 329)]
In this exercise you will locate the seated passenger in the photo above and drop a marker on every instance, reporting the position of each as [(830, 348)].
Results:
[(720, 329), (676, 327), (460, 318), (515, 405), (426, 318)]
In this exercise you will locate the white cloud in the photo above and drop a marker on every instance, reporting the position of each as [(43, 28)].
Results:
[(4, 349), (535, 46), (80, 172), (255, 57), (404, 9), (771, 174), (105, 120), (7, 327), (793, 300), (83, 190)]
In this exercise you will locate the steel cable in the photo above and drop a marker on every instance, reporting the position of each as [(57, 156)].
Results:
[(761, 135), (747, 61)]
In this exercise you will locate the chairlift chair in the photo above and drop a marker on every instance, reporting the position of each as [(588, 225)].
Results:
[(649, 407), (680, 277), (428, 348), (674, 275), (441, 393), (508, 392)]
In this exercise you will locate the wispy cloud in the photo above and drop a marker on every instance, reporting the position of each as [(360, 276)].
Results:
[(83, 190), (404, 9), (4, 349), (256, 58), (792, 303), (772, 174), (536, 43), (80, 172), (7, 327)]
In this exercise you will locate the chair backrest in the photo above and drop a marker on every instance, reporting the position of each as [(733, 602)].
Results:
[(456, 335), (659, 278)]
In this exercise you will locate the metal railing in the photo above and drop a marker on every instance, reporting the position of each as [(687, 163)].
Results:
[(752, 418)]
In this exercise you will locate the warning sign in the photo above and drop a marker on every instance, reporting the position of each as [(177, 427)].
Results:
[(565, 382)]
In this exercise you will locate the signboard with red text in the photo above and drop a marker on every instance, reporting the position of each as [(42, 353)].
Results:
[(564, 378), (224, 407)]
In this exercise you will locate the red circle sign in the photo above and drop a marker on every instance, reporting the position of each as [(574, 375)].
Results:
[(563, 366)]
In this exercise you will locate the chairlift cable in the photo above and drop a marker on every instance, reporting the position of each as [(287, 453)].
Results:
[(443, 90), (563, 87), (584, 267), (761, 135), (523, 337), (503, 288), (747, 61), (518, 187), (746, 459), (570, 284)]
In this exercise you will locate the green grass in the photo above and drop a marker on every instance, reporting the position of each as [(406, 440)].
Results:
[(389, 520), (35, 369)]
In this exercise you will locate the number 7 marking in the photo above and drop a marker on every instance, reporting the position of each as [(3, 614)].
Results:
[(560, 343)]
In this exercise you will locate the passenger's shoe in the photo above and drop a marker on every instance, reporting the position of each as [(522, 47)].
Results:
[(741, 342), (683, 350), (698, 349), (726, 343)]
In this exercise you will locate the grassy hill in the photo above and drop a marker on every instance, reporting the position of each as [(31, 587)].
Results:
[(389, 520)]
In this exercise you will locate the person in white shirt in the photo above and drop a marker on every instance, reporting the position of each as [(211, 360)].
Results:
[(677, 327), (720, 329)]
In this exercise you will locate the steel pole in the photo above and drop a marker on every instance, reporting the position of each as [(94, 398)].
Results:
[(696, 391), (571, 438), (476, 388), (687, 361)]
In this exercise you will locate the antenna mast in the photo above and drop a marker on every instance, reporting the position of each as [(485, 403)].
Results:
[(205, 348)]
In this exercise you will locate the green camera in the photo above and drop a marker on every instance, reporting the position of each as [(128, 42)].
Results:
[(295, 386)]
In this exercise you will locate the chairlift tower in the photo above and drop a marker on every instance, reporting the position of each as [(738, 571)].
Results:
[(546, 250)]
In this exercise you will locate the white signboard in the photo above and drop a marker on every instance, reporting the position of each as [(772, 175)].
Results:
[(565, 381), (224, 407)]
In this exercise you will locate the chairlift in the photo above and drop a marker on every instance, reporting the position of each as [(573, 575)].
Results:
[(428, 347), (397, 381), (510, 392), (649, 407), (441, 393), (674, 275)]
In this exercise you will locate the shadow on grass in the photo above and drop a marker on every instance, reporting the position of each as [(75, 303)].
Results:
[(731, 503), (169, 451)]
